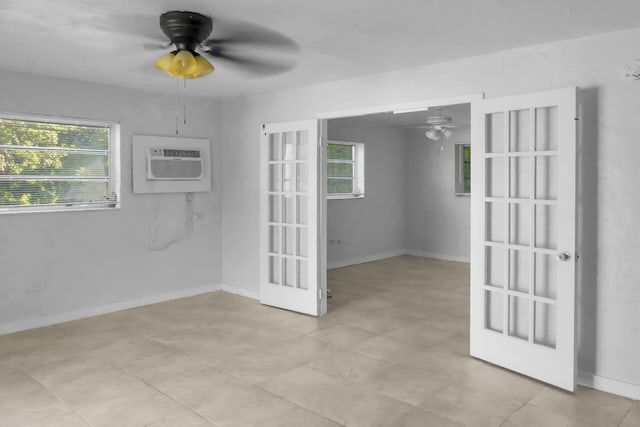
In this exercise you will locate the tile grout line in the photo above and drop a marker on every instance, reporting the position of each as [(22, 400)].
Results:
[(206, 362), (520, 408), (170, 397), (297, 404), (625, 414), (52, 394)]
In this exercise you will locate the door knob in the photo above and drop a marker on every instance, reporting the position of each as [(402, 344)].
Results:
[(563, 256)]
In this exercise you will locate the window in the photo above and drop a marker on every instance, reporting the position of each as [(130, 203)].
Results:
[(463, 169), (57, 164), (345, 170)]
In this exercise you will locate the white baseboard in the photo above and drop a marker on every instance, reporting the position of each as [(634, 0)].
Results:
[(609, 385), (37, 322), (437, 256), (241, 291), (363, 259)]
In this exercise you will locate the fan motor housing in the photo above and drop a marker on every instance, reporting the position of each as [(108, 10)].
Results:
[(185, 29), (438, 120)]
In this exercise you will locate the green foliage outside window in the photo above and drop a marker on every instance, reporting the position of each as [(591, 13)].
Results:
[(339, 152), (68, 173), (466, 169), (340, 169)]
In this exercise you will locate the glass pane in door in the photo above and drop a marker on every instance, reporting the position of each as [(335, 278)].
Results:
[(520, 282), (287, 208)]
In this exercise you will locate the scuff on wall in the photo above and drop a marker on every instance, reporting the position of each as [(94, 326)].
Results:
[(166, 227)]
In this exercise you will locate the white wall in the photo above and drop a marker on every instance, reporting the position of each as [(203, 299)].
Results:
[(91, 259), (609, 294), (436, 220), (372, 227)]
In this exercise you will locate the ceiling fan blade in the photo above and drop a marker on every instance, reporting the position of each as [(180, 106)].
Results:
[(157, 45), (228, 32), (253, 66), (136, 25)]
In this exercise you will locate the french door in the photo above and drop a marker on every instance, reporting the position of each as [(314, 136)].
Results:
[(523, 234), (289, 274)]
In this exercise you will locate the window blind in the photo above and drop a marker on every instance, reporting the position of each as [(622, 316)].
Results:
[(54, 164)]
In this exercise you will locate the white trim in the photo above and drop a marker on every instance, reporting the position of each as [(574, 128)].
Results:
[(391, 254), (344, 196), (414, 106), (621, 388), (444, 257), (55, 119), (37, 322), (19, 209), (366, 258), (236, 290)]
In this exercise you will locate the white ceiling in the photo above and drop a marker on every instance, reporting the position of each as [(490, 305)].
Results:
[(96, 40)]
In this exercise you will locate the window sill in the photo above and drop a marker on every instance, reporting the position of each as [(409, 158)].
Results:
[(52, 209), (463, 194), (344, 196)]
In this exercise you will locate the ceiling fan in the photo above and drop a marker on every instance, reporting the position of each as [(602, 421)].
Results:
[(189, 33), (438, 125)]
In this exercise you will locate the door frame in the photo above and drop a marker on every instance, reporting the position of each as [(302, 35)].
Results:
[(405, 107)]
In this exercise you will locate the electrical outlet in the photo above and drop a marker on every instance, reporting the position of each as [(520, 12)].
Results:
[(36, 287), (339, 241)]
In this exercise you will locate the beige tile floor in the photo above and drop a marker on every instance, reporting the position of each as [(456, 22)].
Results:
[(392, 352)]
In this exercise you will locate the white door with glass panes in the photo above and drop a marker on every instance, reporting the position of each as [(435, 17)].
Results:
[(523, 255), (289, 216)]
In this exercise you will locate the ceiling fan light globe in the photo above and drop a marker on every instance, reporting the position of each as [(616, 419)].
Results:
[(203, 67), (447, 133), (165, 63), (183, 63), (432, 134)]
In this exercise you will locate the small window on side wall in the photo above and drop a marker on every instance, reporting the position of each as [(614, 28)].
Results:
[(345, 170), (463, 169)]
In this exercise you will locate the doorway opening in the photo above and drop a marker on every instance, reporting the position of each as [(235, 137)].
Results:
[(397, 185)]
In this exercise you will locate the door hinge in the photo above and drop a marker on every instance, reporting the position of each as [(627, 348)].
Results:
[(320, 294)]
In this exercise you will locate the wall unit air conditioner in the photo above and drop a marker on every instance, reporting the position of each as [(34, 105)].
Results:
[(164, 164), (171, 164)]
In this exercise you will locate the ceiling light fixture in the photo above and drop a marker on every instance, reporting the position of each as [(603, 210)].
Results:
[(184, 64), (439, 125)]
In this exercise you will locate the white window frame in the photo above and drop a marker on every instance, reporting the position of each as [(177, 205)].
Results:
[(113, 153), (459, 169), (358, 171)]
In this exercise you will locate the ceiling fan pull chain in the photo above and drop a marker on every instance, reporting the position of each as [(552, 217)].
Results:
[(177, 103), (184, 103)]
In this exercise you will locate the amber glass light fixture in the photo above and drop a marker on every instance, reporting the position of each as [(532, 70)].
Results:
[(184, 64)]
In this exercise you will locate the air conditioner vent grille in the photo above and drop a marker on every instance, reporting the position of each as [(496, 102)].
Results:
[(175, 169)]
